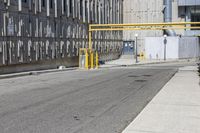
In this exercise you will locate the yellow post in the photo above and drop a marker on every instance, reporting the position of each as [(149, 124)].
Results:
[(140, 55), (97, 60), (90, 48), (86, 60), (92, 59), (79, 58), (90, 38), (144, 56)]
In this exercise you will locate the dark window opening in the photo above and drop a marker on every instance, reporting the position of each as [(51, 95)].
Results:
[(64, 5), (86, 11), (51, 3), (195, 17), (70, 6), (43, 3), (81, 8)]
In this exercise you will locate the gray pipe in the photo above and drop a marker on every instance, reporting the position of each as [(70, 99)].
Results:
[(168, 16)]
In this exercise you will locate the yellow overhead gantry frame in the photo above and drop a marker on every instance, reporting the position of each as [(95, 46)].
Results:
[(140, 26), (134, 26)]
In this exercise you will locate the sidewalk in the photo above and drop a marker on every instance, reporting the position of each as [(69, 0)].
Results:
[(175, 109), (128, 60)]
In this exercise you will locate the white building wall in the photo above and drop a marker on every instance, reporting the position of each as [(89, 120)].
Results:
[(176, 47), (189, 47), (154, 47)]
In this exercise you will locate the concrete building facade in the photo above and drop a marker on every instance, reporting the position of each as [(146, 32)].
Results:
[(152, 11), (142, 11), (189, 11), (50, 32)]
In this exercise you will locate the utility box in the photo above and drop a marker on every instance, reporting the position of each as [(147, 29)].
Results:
[(88, 59)]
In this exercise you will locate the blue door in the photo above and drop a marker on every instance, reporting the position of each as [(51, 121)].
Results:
[(128, 47)]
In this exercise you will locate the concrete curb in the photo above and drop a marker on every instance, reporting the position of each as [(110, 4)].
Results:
[(5, 76), (172, 61)]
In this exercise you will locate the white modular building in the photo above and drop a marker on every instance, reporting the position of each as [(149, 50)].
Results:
[(157, 48)]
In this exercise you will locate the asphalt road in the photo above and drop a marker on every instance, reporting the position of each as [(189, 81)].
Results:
[(98, 101)]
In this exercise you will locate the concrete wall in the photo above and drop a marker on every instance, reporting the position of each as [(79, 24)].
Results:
[(142, 11)]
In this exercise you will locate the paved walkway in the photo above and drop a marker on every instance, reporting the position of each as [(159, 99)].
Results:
[(128, 60), (175, 109)]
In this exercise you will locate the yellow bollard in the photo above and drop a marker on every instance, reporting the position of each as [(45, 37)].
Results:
[(144, 56), (140, 56), (79, 58), (86, 60), (92, 59), (97, 60)]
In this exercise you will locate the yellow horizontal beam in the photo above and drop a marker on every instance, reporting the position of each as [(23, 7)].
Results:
[(152, 28), (143, 24)]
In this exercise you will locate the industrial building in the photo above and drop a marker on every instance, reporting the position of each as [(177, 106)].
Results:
[(159, 11), (40, 34)]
